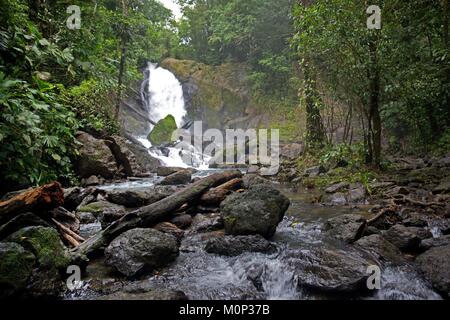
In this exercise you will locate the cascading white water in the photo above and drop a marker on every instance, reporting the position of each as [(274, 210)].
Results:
[(165, 97)]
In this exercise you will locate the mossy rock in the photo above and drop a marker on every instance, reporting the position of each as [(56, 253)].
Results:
[(45, 244), (98, 207), (162, 132), (16, 265)]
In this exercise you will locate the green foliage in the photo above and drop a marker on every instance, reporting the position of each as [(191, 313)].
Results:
[(162, 132), (92, 101), (36, 132)]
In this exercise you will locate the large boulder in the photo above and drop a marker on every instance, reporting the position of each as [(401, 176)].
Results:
[(140, 250), (407, 239), (125, 158), (16, 265), (237, 245), (348, 227), (383, 250), (52, 260), (163, 130), (177, 178), (143, 157), (45, 244), (95, 157), (330, 270), (256, 211), (435, 265)]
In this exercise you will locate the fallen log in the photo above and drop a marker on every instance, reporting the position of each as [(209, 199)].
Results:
[(217, 195), (154, 213), (38, 200)]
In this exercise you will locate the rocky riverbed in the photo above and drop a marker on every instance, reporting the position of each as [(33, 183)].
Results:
[(261, 239)]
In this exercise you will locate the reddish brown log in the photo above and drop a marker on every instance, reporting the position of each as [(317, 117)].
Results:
[(39, 200), (216, 195)]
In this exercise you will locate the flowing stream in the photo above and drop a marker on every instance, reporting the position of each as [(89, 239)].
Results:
[(251, 275)]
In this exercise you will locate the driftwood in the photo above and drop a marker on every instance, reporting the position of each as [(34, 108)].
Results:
[(64, 229), (217, 195), (39, 200), (154, 213)]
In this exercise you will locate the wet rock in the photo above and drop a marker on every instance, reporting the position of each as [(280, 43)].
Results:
[(140, 250), (103, 208), (415, 220), (237, 245), (134, 198), (23, 220), (357, 195), (435, 265), (292, 151), (434, 242), (407, 239), (337, 187), (256, 211), (87, 217), (91, 181), (182, 221), (95, 157), (253, 179), (330, 270), (125, 158), (143, 158), (383, 250), (16, 265), (314, 171), (177, 178), (207, 222), (74, 196), (169, 228), (44, 243), (348, 227), (167, 171)]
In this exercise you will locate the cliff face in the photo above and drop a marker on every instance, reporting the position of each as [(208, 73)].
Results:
[(217, 95)]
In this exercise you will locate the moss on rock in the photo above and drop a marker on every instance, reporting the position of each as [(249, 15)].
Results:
[(45, 244), (16, 265), (162, 132)]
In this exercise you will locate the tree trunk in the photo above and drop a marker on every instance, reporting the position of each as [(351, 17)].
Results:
[(374, 104), (39, 200), (314, 126), (154, 213), (216, 195), (123, 59)]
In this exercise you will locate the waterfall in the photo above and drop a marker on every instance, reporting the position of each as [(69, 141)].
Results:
[(162, 94)]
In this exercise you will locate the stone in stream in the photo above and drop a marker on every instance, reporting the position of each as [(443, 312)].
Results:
[(177, 178), (330, 270), (435, 265), (139, 250), (256, 211), (52, 260), (104, 211), (134, 198), (251, 179), (236, 245), (337, 187), (16, 265), (207, 222), (182, 221), (383, 250), (167, 171), (347, 227), (434, 242), (314, 171), (407, 239)]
